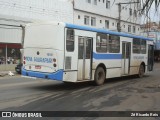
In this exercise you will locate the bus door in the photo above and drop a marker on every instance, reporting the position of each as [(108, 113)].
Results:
[(126, 54), (84, 58), (150, 57)]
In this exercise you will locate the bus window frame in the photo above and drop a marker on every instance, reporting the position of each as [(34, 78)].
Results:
[(99, 44), (139, 48), (111, 45), (69, 40)]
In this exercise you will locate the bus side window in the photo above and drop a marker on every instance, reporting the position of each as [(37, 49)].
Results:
[(143, 46), (114, 44), (136, 45), (70, 40), (101, 43)]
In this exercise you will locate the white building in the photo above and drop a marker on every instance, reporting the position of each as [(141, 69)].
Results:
[(103, 14), (13, 13)]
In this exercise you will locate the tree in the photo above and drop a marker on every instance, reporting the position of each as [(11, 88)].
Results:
[(148, 3)]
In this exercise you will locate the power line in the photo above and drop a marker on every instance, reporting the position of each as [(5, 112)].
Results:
[(119, 11)]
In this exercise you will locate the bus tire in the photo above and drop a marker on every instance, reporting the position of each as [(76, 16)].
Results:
[(99, 76), (141, 71)]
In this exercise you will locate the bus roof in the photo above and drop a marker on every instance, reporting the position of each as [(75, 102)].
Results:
[(105, 31)]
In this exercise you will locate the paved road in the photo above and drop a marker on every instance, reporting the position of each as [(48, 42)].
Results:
[(120, 94)]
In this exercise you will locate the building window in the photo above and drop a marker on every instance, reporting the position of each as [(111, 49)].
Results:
[(130, 11), (107, 4), (100, 21), (95, 2), (124, 26), (86, 20), (88, 1), (112, 24), (129, 28), (135, 13), (103, 1), (70, 40), (93, 21), (101, 43), (107, 24), (79, 17), (134, 29)]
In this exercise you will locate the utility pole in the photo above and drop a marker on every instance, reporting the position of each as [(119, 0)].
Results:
[(119, 16)]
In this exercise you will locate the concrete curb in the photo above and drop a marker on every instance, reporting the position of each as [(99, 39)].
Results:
[(3, 74)]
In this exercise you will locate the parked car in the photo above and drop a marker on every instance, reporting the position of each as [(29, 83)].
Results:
[(18, 68)]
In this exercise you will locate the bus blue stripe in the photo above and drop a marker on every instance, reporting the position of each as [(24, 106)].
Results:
[(106, 56), (105, 31)]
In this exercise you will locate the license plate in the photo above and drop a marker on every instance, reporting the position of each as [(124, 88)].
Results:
[(37, 67)]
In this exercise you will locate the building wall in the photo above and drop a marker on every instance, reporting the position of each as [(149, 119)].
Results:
[(66, 11), (98, 18), (13, 13), (155, 35), (112, 11), (10, 29), (100, 22), (100, 12), (58, 10), (10, 34), (24, 11)]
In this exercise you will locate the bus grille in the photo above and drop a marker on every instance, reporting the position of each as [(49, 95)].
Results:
[(68, 63)]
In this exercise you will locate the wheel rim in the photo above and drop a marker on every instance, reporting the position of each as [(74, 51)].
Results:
[(100, 76)]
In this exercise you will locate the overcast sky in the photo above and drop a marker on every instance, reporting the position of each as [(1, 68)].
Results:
[(155, 16)]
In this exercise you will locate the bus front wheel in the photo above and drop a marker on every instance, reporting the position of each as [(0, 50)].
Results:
[(99, 76), (141, 71)]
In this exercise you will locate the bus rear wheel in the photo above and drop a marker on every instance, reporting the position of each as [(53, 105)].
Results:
[(99, 76), (141, 71)]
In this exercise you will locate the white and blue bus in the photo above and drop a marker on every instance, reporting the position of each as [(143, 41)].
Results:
[(73, 53)]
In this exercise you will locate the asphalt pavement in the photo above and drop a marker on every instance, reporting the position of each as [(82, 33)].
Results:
[(118, 94)]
